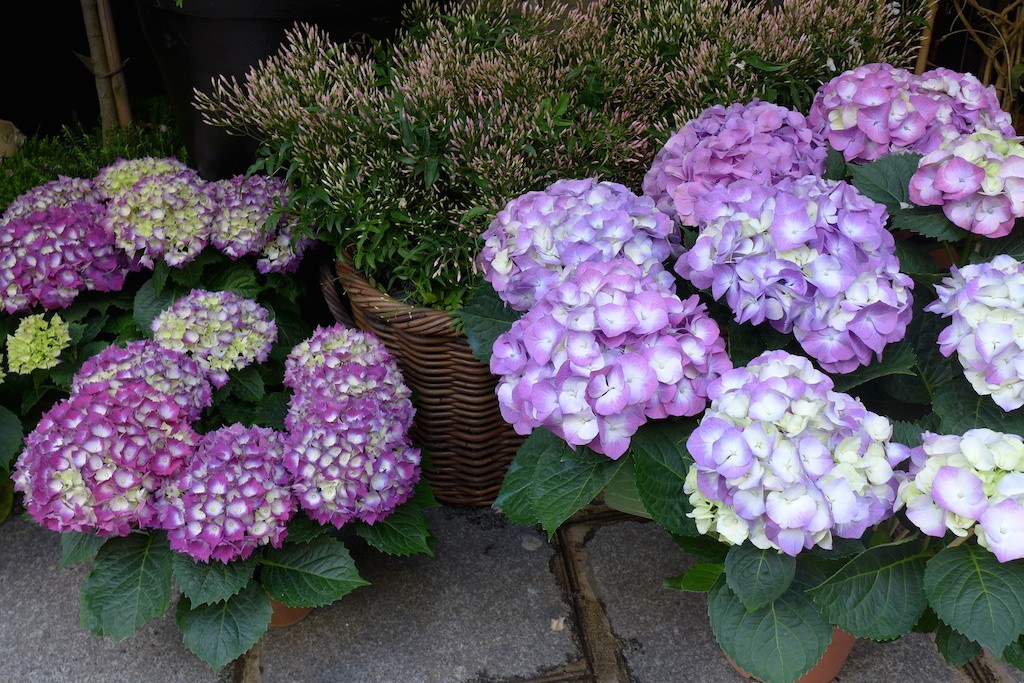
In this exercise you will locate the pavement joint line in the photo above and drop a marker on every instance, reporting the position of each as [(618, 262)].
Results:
[(247, 666)]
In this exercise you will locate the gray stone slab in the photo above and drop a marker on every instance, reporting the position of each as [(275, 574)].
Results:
[(480, 610), (41, 642), (666, 634)]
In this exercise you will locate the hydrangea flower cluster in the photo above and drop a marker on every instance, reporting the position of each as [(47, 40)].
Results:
[(977, 179), (974, 481), (122, 175), (64, 191), (538, 237), (95, 459), (49, 256), (37, 344), (233, 496), (222, 331), (757, 141), (985, 305), (348, 448), (604, 351), (875, 109), (810, 256), (782, 460), (283, 252), (242, 207)]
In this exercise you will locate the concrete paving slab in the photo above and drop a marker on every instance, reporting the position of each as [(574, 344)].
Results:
[(41, 642), (481, 610), (666, 634)]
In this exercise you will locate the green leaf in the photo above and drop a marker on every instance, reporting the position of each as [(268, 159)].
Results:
[(247, 384), (661, 463), (961, 408), (700, 578), (879, 594), (206, 583), (911, 434), (302, 529), (129, 584), (1011, 245), (835, 165), (6, 497), (484, 318), (897, 359), (160, 273), (562, 487), (239, 278), (148, 305), (928, 622), (621, 494), (914, 260), (271, 411), (403, 532), (1014, 654), (777, 643), (515, 497), (756, 576), (221, 632), (977, 595), (930, 222), (310, 574), (703, 548), (956, 648), (11, 436), (886, 180), (77, 548)]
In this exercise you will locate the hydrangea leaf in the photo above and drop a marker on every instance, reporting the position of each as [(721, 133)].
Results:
[(77, 548), (911, 433), (247, 384), (11, 436), (129, 584), (886, 180), (897, 359), (301, 528), (956, 648), (621, 493), (6, 498), (562, 487), (239, 278), (703, 548), (310, 574), (1011, 245), (700, 578), (756, 576), (206, 583), (1014, 654), (930, 222), (148, 305), (960, 409), (484, 318), (835, 165), (977, 595), (914, 260), (271, 410), (221, 632), (661, 463), (777, 643), (403, 532), (515, 497), (879, 594)]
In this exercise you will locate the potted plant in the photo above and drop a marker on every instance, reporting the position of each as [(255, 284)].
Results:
[(816, 407), (401, 158)]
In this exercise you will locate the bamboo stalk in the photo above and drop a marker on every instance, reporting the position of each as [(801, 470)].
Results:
[(926, 37), (100, 68), (113, 51)]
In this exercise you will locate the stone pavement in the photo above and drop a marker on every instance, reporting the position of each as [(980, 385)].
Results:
[(497, 603)]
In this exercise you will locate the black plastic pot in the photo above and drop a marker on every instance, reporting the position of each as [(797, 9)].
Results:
[(204, 39)]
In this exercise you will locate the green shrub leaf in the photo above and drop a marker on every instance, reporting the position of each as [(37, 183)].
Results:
[(484, 318), (76, 548), (897, 359), (700, 578), (961, 408), (11, 436), (403, 532), (886, 180), (661, 463), (208, 582), (562, 487), (310, 574), (514, 498), (148, 305), (301, 528), (756, 576), (221, 632), (621, 493), (956, 648), (247, 384)]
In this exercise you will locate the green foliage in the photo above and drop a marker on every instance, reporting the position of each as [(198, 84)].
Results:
[(484, 318), (220, 632), (621, 493), (404, 531), (77, 548), (758, 577), (310, 574), (700, 578), (206, 583), (661, 463), (956, 649)]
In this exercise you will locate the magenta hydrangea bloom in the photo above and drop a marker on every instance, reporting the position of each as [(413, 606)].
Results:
[(64, 191), (123, 174), (602, 353), (222, 331), (783, 461), (48, 257), (809, 256), (242, 207), (233, 497), (535, 241), (95, 459), (167, 372), (965, 105), (284, 252), (758, 141)]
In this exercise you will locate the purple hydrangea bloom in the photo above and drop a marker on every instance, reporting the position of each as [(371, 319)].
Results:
[(284, 252), (783, 461), (604, 351), (534, 242), (985, 305), (242, 207), (123, 174), (233, 497), (965, 105), (809, 256), (64, 191), (758, 141), (222, 331)]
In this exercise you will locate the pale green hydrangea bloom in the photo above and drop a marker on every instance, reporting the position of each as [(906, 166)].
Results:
[(37, 344)]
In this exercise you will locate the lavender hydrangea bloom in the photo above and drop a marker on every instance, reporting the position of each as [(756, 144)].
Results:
[(974, 481), (95, 459), (242, 207), (758, 141), (283, 253), (809, 256), (604, 351), (220, 330), (977, 179), (782, 460), (48, 257), (233, 497), (64, 191), (985, 305), (965, 105), (124, 173), (533, 243)]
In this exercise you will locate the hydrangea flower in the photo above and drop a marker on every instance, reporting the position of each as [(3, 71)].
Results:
[(782, 460), (965, 105), (37, 344), (64, 191), (283, 253), (977, 179), (604, 351), (242, 207), (220, 330), (985, 305), (50, 255), (124, 173), (974, 481), (533, 243), (95, 459), (167, 372), (758, 141), (233, 497), (809, 256)]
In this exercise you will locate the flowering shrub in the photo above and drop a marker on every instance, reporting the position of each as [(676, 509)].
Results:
[(123, 174), (37, 344), (62, 192), (243, 205)]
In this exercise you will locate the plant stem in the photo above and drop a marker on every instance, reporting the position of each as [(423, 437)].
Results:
[(965, 255)]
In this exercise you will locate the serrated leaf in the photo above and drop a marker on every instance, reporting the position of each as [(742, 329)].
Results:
[(484, 318), (211, 582), (661, 463), (271, 411), (977, 595), (247, 384), (703, 548), (160, 273), (310, 574), (914, 260), (403, 532), (302, 529), (515, 496), (911, 434), (621, 494), (897, 359), (927, 622), (239, 278), (1014, 654), (778, 643), (700, 578), (148, 305), (77, 548), (129, 584), (562, 487), (11, 436), (1011, 245), (930, 222), (956, 648), (886, 180), (835, 165), (756, 576), (960, 409), (879, 594), (221, 632)]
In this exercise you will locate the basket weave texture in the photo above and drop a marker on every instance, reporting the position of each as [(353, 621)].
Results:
[(458, 421)]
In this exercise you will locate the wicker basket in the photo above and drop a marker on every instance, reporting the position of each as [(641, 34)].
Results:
[(458, 422)]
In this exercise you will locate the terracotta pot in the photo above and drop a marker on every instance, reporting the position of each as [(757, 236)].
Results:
[(827, 668), (283, 615)]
